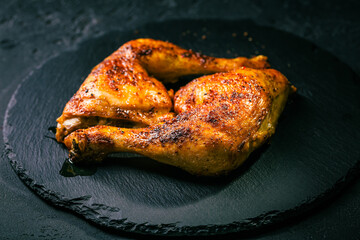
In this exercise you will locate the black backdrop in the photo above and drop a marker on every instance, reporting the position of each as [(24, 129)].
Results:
[(32, 32)]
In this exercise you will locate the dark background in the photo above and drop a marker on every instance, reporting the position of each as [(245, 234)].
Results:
[(31, 32)]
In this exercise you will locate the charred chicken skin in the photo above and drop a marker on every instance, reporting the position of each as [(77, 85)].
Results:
[(123, 91), (217, 120)]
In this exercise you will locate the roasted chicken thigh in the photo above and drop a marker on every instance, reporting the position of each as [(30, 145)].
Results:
[(208, 128)]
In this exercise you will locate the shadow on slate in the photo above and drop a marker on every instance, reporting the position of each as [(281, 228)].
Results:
[(313, 154)]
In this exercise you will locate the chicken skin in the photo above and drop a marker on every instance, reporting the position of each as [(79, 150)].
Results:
[(220, 119), (124, 89)]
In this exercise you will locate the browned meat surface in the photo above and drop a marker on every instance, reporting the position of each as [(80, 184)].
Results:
[(208, 128), (122, 89)]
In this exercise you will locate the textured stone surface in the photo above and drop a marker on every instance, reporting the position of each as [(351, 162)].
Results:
[(31, 32)]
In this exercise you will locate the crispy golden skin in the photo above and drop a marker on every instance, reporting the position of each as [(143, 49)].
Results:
[(121, 90), (220, 120)]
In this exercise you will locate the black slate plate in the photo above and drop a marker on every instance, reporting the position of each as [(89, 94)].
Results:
[(313, 154)]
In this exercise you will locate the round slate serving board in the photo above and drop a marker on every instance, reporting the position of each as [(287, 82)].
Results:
[(313, 154)]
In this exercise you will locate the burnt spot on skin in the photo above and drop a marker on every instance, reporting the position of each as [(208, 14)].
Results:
[(172, 131), (101, 139), (145, 52), (200, 57), (178, 135), (241, 146)]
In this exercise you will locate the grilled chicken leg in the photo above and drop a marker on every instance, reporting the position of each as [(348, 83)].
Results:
[(221, 119), (122, 91)]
